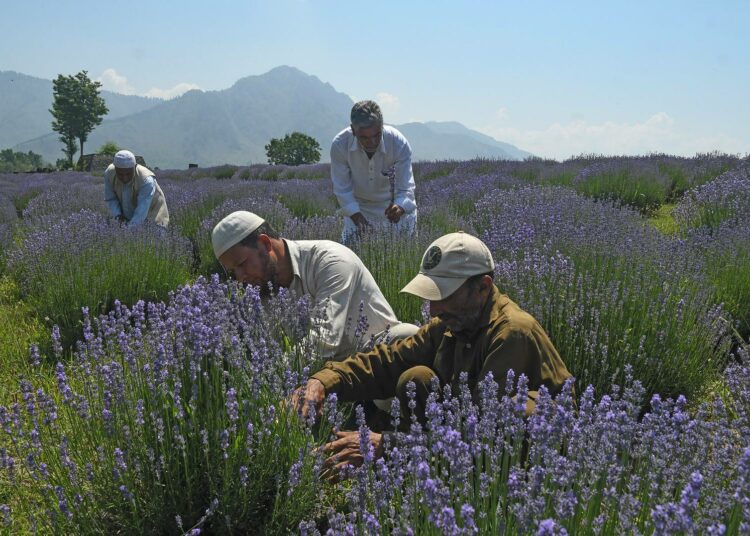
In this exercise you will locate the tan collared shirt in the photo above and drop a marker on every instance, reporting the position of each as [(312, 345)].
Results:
[(339, 283), (506, 338)]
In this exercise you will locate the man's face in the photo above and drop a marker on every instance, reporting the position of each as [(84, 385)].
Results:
[(252, 266), (124, 175), (369, 137), (461, 310)]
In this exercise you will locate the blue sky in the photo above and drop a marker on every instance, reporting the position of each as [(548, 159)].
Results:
[(555, 78)]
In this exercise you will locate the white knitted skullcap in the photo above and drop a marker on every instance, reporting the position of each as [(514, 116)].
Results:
[(124, 159), (232, 229)]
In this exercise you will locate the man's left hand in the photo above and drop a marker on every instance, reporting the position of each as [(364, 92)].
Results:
[(394, 213), (345, 451)]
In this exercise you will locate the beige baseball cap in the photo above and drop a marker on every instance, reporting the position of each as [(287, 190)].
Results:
[(232, 229), (448, 262)]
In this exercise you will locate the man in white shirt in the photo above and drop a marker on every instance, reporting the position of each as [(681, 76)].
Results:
[(372, 175), (132, 193), (330, 273)]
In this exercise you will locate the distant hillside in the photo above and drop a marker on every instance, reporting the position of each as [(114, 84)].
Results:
[(234, 125), (25, 102), (450, 140)]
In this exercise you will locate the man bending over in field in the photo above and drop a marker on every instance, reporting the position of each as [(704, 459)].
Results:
[(330, 273), (371, 174), (474, 329), (131, 192)]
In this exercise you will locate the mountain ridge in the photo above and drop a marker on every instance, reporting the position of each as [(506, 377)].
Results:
[(233, 125)]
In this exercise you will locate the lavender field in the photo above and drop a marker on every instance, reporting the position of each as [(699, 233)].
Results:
[(144, 393)]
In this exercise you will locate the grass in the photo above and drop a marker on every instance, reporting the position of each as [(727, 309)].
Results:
[(19, 329), (663, 221), (641, 192)]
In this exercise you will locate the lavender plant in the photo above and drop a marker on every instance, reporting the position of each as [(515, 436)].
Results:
[(169, 419), (479, 467), (608, 289), (709, 205), (85, 260)]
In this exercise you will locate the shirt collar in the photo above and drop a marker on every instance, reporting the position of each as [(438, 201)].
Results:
[(294, 255)]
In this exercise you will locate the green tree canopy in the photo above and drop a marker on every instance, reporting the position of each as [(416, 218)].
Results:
[(77, 109), (110, 148), (11, 160), (293, 149)]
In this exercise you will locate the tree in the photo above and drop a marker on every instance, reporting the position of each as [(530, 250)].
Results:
[(11, 160), (110, 148), (77, 109), (69, 146), (294, 149)]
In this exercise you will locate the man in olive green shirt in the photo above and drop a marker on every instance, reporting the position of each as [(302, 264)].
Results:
[(474, 329)]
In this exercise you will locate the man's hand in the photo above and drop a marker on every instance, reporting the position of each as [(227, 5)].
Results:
[(360, 221), (394, 213), (122, 219), (345, 451), (310, 396)]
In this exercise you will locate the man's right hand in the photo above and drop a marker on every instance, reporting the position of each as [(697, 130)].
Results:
[(310, 396), (360, 221)]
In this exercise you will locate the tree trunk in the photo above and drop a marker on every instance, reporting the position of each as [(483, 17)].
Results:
[(80, 160)]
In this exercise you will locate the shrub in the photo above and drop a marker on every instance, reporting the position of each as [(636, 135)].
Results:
[(608, 289), (293, 150), (87, 261), (170, 418)]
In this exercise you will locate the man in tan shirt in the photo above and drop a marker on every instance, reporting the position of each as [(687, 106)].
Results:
[(340, 285), (474, 329)]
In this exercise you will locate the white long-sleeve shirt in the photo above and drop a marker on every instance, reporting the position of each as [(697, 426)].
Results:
[(337, 281), (358, 181)]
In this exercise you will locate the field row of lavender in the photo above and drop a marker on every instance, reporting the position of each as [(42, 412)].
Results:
[(159, 407)]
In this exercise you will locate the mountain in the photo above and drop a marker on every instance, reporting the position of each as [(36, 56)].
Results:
[(450, 140), (25, 102), (234, 125)]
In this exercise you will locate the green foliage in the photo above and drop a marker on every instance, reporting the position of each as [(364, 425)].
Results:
[(293, 150), (65, 163), (225, 172), (663, 220), (109, 148), (11, 160), (19, 328), (130, 267), (611, 300), (77, 109), (392, 260), (642, 192), (206, 429), (730, 273)]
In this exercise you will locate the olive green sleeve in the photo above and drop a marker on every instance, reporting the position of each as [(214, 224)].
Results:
[(374, 374)]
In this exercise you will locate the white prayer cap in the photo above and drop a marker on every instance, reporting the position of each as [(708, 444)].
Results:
[(232, 229), (124, 159)]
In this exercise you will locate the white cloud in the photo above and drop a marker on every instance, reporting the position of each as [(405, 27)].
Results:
[(388, 102), (176, 91), (113, 81), (502, 113), (658, 133)]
